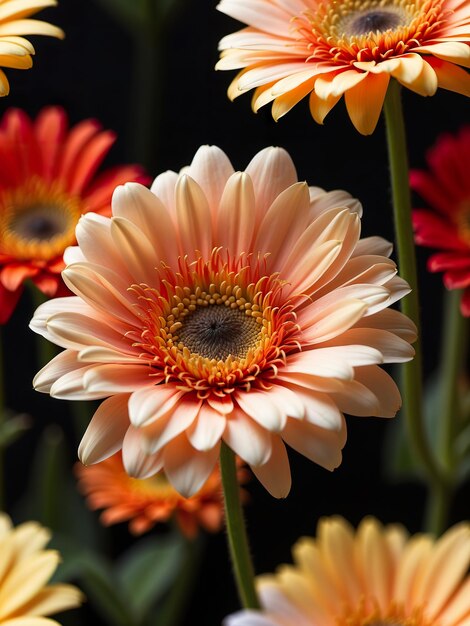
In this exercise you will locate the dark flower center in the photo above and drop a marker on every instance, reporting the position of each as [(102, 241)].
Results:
[(217, 332), (373, 21), (39, 223)]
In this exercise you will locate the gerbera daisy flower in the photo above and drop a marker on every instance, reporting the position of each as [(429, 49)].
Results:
[(327, 48), (15, 50), (446, 188), (47, 181), (25, 569), (222, 305), (144, 503), (378, 575)]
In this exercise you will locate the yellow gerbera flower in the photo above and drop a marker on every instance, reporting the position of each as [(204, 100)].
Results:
[(377, 576), (15, 50), (327, 48), (25, 569)]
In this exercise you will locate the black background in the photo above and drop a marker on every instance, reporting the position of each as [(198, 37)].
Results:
[(90, 74)]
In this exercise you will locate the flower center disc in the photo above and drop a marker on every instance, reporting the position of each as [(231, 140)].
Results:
[(37, 221), (371, 21), (217, 332)]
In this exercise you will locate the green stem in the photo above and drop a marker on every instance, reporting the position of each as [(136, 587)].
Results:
[(412, 377), (237, 537), (437, 512), (453, 353), (454, 350)]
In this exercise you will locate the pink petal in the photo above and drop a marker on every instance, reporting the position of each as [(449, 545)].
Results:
[(136, 462), (149, 404), (106, 431), (317, 444), (207, 429), (275, 473), (186, 468), (169, 426), (251, 442)]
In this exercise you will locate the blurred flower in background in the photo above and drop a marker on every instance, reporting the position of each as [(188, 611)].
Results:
[(226, 306), (377, 575), (15, 50), (445, 187), (47, 181), (351, 48), (25, 569), (145, 502)]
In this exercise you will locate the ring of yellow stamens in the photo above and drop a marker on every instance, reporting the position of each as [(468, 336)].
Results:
[(247, 302), (337, 31), (37, 221), (394, 615), (462, 219)]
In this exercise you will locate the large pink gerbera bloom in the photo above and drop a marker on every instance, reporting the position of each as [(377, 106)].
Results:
[(327, 49), (47, 181), (222, 305)]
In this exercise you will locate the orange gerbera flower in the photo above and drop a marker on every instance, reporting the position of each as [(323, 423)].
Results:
[(15, 50), (144, 502), (377, 576), (47, 181), (327, 48), (222, 305)]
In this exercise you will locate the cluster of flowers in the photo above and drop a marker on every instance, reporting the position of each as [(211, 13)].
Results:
[(252, 316)]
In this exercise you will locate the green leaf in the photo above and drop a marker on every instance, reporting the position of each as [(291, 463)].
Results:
[(148, 570), (97, 579)]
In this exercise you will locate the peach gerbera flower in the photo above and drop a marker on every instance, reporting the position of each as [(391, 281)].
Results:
[(47, 181), (25, 569), (327, 48), (144, 502), (376, 576), (15, 50), (222, 305)]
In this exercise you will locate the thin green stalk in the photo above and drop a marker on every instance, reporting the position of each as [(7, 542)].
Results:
[(412, 372), (453, 353), (236, 531), (437, 510)]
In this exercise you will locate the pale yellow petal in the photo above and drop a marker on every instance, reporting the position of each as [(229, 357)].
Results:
[(53, 599), (30, 27), (25, 580)]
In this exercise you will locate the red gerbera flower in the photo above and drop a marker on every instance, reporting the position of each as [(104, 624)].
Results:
[(47, 181), (446, 188)]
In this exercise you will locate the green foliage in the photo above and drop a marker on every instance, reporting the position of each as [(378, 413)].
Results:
[(124, 593)]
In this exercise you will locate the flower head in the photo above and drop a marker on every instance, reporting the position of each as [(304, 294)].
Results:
[(446, 188), (222, 305), (377, 576), (15, 50), (149, 501), (47, 181), (327, 48), (25, 569)]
